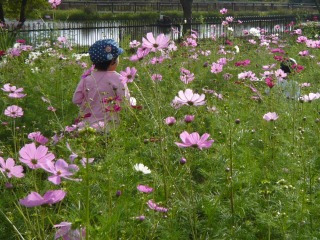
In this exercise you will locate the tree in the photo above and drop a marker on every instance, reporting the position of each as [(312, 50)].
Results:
[(20, 9), (187, 14)]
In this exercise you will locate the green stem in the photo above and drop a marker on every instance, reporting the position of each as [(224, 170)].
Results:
[(87, 199)]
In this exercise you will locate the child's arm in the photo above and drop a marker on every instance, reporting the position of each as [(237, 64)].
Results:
[(78, 95)]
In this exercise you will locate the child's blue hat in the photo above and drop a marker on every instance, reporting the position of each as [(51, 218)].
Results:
[(104, 50)]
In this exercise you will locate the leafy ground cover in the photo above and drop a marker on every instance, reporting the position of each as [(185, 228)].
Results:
[(217, 142)]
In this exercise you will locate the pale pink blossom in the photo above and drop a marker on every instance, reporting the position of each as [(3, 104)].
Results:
[(59, 169), (9, 168), (13, 91), (223, 11), (50, 197), (34, 156), (152, 205), (270, 116), (154, 44), (13, 111), (144, 189), (194, 140), (67, 232), (189, 98)]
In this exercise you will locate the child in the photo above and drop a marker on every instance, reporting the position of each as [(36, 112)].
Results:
[(99, 94)]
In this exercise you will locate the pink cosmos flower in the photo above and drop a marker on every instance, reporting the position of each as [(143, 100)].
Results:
[(156, 77), (141, 53), (229, 19), (248, 75), (302, 39), (192, 42), (13, 91), (270, 116), (223, 11), (304, 53), (242, 63), (188, 118), (216, 68), (13, 111), (297, 31), (170, 121), (309, 97), (188, 98), (54, 3), (268, 67), (156, 60), (66, 232), (38, 137), (269, 82), (186, 76), (134, 44), (59, 169), (280, 74), (277, 27), (128, 75), (144, 189), (303, 85), (194, 140), (34, 156), (152, 205), (153, 44), (10, 169), (85, 161), (50, 197)]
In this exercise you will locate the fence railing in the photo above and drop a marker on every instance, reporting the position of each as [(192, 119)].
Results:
[(83, 34), (117, 6)]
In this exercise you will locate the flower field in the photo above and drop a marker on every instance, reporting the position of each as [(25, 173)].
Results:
[(219, 140)]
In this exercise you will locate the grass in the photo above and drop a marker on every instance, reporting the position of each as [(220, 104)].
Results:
[(258, 180)]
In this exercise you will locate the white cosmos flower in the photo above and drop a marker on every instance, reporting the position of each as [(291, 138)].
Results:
[(142, 168)]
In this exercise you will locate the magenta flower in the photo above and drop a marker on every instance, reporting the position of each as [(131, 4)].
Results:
[(152, 205), (66, 232), (270, 116), (13, 91), (50, 197), (128, 75), (10, 169), (34, 156), (13, 111), (134, 44), (186, 76), (156, 60), (38, 137), (141, 53), (59, 169), (54, 3), (304, 53), (170, 121), (223, 11), (153, 44), (216, 68), (144, 189), (156, 77), (188, 98), (188, 118), (194, 140)]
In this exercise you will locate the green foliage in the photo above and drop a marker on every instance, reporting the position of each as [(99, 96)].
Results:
[(259, 180), (12, 8)]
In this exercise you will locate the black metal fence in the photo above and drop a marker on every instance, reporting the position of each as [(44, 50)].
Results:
[(83, 34), (159, 6)]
